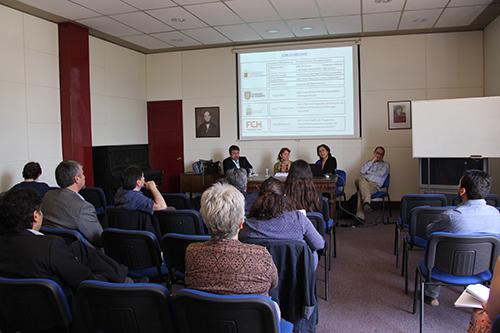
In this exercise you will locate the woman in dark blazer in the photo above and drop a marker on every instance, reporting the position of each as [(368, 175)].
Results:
[(326, 161)]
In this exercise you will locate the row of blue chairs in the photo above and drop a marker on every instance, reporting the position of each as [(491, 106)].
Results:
[(39, 305)]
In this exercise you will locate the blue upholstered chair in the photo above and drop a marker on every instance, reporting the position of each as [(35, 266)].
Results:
[(96, 196), (319, 224), (33, 305), (123, 307), (408, 202), (174, 252), (200, 312), (416, 238), (180, 221), (138, 250), (455, 259), (383, 195), (177, 200), (69, 235)]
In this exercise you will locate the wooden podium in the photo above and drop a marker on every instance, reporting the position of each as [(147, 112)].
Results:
[(196, 183)]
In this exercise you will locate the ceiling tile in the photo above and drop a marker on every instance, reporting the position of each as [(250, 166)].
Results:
[(65, 9), (147, 42), (215, 13), (206, 36), (253, 11), (339, 7), (343, 24), (106, 7), (142, 22), (381, 21), (176, 38), (295, 9), (150, 4), (425, 4), (419, 19), (238, 32), (459, 3), (307, 27), (109, 26), (177, 17), (272, 30), (374, 6), (459, 16)]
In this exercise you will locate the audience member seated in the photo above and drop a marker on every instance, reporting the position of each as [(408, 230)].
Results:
[(31, 172), (300, 189), (327, 162), (129, 196), (27, 253), (236, 161), (224, 265), (284, 163), (269, 218), (473, 215), (373, 174), (239, 179), (65, 208)]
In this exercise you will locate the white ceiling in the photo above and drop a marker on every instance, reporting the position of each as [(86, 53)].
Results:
[(171, 24)]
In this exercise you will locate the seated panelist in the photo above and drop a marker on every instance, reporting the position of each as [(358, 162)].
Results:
[(284, 163), (327, 162), (236, 161)]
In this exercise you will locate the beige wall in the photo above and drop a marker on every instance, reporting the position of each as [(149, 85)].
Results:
[(492, 81), (392, 68), (30, 129), (118, 94)]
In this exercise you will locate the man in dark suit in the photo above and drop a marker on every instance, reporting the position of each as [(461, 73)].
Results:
[(26, 253), (236, 161), (65, 208)]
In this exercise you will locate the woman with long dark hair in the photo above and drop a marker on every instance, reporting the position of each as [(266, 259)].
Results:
[(326, 161), (300, 190), (270, 218)]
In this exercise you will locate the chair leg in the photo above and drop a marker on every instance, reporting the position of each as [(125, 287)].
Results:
[(334, 238), (326, 277), (422, 295), (406, 269), (389, 206), (398, 239), (415, 291), (403, 257), (395, 237)]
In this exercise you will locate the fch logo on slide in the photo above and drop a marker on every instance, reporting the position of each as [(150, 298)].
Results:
[(253, 124)]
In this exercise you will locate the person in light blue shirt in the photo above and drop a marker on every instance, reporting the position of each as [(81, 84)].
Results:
[(372, 176), (473, 215)]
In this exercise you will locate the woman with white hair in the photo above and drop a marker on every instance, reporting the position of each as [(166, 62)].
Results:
[(224, 265)]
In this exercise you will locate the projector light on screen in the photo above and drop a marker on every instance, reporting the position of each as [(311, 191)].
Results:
[(298, 93)]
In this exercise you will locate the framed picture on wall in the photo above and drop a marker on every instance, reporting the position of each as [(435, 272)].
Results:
[(399, 114), (207, 122)]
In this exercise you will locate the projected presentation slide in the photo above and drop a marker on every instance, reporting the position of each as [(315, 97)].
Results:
[(298, 93)]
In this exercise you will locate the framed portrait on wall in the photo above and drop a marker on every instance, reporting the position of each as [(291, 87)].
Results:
[(399, 114), (207, 122)]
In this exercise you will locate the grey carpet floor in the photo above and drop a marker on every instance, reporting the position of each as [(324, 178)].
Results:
[(367, 291)]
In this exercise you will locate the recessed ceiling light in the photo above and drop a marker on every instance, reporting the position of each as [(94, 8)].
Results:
[(272, 31), (382, 1), (419, 20), (177, 40), (306, 28), (178, 19)]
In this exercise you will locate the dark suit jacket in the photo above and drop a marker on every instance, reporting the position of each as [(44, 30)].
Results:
[(211, 131), (28, 255), (330, 165), (229, 164), (66, 209)]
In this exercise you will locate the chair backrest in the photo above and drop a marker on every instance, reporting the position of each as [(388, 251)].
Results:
[(410, 201), (135, 249), (174, 250), (177, 200), (117, 307), (296, 274), (33, 305), (96, 196), (325, 208), (387, 183), (180, 221), (492, 200), (341, 179), (121, 218), (462, 254), (421, 217), (317, 221), (200, 312), (69, 235)]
